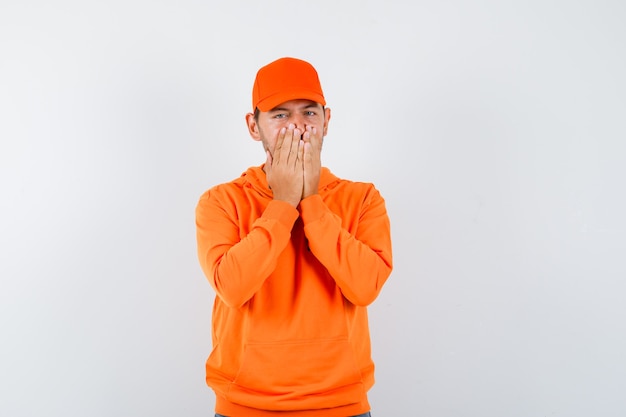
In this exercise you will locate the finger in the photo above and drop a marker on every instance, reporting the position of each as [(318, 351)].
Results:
[(280, 142), (268, 161), (285, 149), (294, 151), (315, 139), (306, 136), (301, 146)]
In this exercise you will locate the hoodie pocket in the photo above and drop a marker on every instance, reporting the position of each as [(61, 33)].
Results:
[(294, 371)]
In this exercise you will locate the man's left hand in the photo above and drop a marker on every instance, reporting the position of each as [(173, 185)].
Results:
[(312, 161)]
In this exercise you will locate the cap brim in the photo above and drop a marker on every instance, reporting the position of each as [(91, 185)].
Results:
[(275, 100)]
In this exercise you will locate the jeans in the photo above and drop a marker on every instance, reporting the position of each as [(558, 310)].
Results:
[(360, 415)]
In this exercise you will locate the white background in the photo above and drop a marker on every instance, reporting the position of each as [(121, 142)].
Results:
[(495, 130)]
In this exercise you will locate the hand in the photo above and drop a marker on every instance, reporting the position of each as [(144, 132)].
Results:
[(285, 172), (312, 161)]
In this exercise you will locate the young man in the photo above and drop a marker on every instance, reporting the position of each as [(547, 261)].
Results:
[(295, 255)]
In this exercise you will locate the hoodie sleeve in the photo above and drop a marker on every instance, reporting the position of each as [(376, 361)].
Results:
[(359, 261), (236, 266)]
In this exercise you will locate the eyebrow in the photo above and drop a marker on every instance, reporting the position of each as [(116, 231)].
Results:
[(308, 106)]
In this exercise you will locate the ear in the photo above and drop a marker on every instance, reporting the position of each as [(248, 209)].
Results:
[(326, 120), (253, 126)]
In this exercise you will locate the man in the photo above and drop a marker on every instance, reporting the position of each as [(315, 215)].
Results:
[(295, 255)]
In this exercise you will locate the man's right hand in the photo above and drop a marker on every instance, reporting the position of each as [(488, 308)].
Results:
[(285, 169)]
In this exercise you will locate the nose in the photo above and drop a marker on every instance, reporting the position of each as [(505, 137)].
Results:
[(298, 121)]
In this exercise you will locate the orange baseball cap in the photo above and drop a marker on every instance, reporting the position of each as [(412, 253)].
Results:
[(283, 80)]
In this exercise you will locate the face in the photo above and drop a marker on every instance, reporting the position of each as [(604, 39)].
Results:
[(300, 113)]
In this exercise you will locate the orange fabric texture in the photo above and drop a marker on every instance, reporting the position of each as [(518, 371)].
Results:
[(290, 330), (283, 80)]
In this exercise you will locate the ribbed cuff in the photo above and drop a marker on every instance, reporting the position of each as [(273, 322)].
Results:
[(312, 208), (282, 212)]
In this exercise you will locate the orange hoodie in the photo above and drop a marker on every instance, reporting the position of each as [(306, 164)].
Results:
[(290, 331)]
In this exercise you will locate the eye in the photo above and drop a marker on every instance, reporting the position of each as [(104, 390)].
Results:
[(280, 116), (310, 113)]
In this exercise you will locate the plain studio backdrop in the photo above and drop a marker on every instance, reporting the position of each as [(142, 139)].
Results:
[(495, 131)]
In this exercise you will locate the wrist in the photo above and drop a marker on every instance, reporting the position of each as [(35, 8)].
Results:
[(291, 201), (309, 194)]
